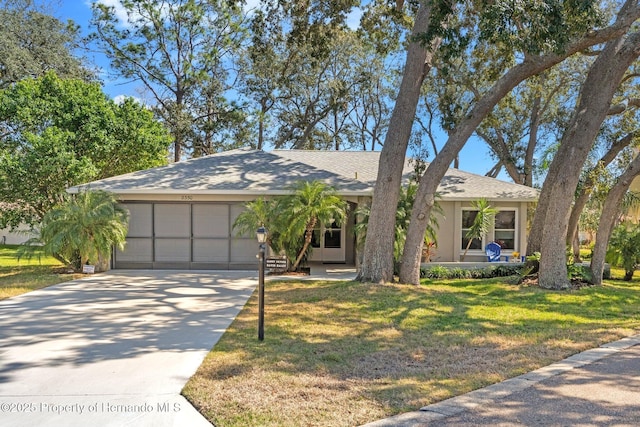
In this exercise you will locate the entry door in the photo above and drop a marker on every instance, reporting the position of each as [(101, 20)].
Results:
[(328, 244)]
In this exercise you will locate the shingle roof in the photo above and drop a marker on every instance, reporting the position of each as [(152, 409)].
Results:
[(246, 171)]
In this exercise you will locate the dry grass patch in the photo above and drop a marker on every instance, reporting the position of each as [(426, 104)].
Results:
[(345, 353)]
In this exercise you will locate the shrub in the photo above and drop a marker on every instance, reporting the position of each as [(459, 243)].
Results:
[(624, 248), (442, 272), (580, 272), (506, 270), (459, 273), (435, 272)]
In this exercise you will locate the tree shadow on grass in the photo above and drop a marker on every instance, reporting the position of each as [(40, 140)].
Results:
[(409, 346)]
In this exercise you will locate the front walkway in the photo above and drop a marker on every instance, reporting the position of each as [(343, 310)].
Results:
[(113, 349), (598, 387)]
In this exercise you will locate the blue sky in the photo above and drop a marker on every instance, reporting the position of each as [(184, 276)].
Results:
[(474, 157)]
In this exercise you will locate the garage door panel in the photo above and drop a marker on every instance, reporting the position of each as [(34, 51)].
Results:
[(211, 250), (136, 250), (140, 219), (172, 220), (170, 250), (244, 250), (185, 235), (210, 220)]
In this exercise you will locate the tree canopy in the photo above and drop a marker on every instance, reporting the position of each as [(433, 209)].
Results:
[(34, 42), (182, 52), (59, 133)]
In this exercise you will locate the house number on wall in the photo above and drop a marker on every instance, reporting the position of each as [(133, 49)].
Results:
[(186, 197)]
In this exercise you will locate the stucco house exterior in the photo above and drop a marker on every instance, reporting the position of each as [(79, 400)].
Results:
[(181, 215)]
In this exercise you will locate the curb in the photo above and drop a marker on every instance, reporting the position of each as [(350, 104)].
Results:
[(494, 392)]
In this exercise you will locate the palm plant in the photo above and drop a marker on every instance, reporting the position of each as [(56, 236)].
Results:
[(403, 215), (84, 228), (485, 217), (310, 204), (261, 213)]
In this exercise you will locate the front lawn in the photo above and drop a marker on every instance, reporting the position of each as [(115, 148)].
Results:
[(346, 353), (21, 276)]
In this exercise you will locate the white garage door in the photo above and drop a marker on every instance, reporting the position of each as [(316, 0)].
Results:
[(185, 236)]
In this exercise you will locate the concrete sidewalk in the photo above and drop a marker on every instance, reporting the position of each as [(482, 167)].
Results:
[(598, 387), (113, 349)]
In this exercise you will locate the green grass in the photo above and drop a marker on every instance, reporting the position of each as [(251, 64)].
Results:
[(345, 353), (21, 276)]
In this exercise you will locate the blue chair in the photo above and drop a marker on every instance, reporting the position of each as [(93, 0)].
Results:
[(493, 252)]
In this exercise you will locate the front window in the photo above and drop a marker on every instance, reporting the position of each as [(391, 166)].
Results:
[(332, 238), (503, 232), (505, 229)]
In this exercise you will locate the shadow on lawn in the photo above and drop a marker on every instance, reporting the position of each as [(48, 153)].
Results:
[(456, 337)]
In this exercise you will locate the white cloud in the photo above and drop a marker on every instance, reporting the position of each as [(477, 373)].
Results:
[(353, 18), (119, 10), (120, 99)]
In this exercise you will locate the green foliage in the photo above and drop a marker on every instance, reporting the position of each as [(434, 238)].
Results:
[(435, 272), (34, 43), (291, 219), (442, 272), (311, 204), (537, 26), (61, 133), (459, 273), (83, 229), (624, 248), (262, 213), (182, 52), (314, 83), (580, 272)]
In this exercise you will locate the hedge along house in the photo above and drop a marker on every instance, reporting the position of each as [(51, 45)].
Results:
[(182, 215)]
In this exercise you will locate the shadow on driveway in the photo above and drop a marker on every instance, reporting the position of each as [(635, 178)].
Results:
[(122, 333)]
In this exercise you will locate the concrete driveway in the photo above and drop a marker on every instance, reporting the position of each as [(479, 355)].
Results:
[(113, 349)]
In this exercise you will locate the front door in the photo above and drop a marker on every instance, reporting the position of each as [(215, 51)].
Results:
[(328, 244)]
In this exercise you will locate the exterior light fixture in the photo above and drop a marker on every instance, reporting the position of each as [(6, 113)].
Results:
[(261, 235)]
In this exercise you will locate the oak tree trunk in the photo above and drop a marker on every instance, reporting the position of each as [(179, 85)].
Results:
[(377, 263), (585, 192), (610, 212), (560, 185)]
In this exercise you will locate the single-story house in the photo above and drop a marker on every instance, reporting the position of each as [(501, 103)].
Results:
[(181, 215)]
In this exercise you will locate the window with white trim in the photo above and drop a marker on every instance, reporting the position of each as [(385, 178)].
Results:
[(503, 232)]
